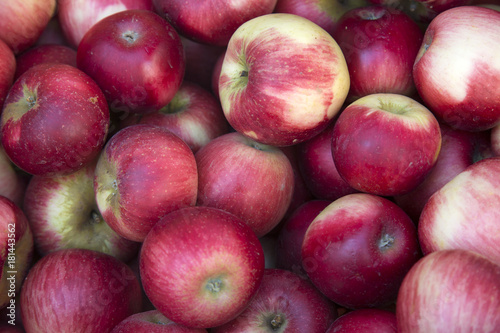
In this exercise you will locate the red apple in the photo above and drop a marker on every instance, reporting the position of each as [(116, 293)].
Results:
[(216, 74), (450, 291), (76, 17), (55, 120), (211, 21), (78, 290), (152, 321), (461, 88), (12, 185), (143, 173), (285, 302), (151, 60), (249, 179), (63, 213), (380, 44), (194, 114), (201, 266), (23, 21), (365, 321), (8, 65), (464, 213), (282, 80), (42, 54), (358, 250), (53, 34), (385, 144)]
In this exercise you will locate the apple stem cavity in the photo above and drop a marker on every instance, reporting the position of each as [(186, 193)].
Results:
[(386, 242), (95, 217)]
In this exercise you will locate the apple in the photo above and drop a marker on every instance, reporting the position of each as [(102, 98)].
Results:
[(8, 65), (365, 321), (461, 88), (431, 8), (251, 180), (143, 173), (464, 214), (16, 254), (450, 291), (78, 290), (137, 59), (283, 79), (211, 21), (76, 17), (495, 140), (385, 144), (358, 250), (23, 21), (53, 34), (45, 53), (194, 114), (201, 266), (152, 321), (63, 213), (12, 185), (380, 44), (285, 302), (55, 120)]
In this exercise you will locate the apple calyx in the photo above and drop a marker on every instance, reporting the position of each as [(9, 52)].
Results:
[(394, 108), (130, 36), (386, 242)]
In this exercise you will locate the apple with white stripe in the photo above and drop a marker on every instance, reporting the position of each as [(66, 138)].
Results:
[(457, 70), (282, 80)]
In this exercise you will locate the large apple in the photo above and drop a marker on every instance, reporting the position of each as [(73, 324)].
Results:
[(450, 291), (461, 88), (143, 173), (152, 321), (283, 79), (251, 180), (55, 120), (8, 66), (78, 290), (358, 250), (42, 54), (365, 321), (385, 144), (201, 266), (285, 302), (464, 213), (211, 21), (137, 59)]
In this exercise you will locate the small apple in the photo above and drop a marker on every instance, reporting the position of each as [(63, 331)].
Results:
[(365, 321), (152, 321)]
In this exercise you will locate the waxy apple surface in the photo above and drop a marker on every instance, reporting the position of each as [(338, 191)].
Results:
[(152, 321), (365, 321), (42, 54)]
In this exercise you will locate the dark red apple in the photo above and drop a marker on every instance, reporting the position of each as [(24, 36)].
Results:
[(365, 321), (42, 54)]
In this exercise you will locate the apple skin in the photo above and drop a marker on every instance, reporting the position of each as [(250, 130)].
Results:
[(464, 213), (16, 252), (63, 213), (251, 180), (12, 184), (23, 21), (55, 114), (450, 291), (143, 173), (385, 144), (76, 17), (8, 64), (282, 80), (380, 44), (194, 114), (358, 250), (461, 89), (365, 321), (78, 290), (137, 59), (201, 266), (285, 302), (211, 21), (152, 321)]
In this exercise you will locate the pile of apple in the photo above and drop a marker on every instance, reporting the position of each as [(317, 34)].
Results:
[(250, 166)]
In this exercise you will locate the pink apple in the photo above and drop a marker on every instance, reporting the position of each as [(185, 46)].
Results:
[(282, 80), (201, 266), (78, 290), (23, 21), (249, 179), (211, 21), (464, 213), (12, 185), (76, 17), (461, 88), (450, 291), (42, 54), (358, 250), (137, 59), (285, 302), (380, 44), (194, 114), (55, 120), (385, 144), (365, 321), (7, 70), (152, 321), (63, 213), (143, 173)]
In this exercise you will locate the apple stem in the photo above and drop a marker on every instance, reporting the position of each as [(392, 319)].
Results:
[(276, 322), (95, 217), (386, 241), (244, 74), (31, 100)]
